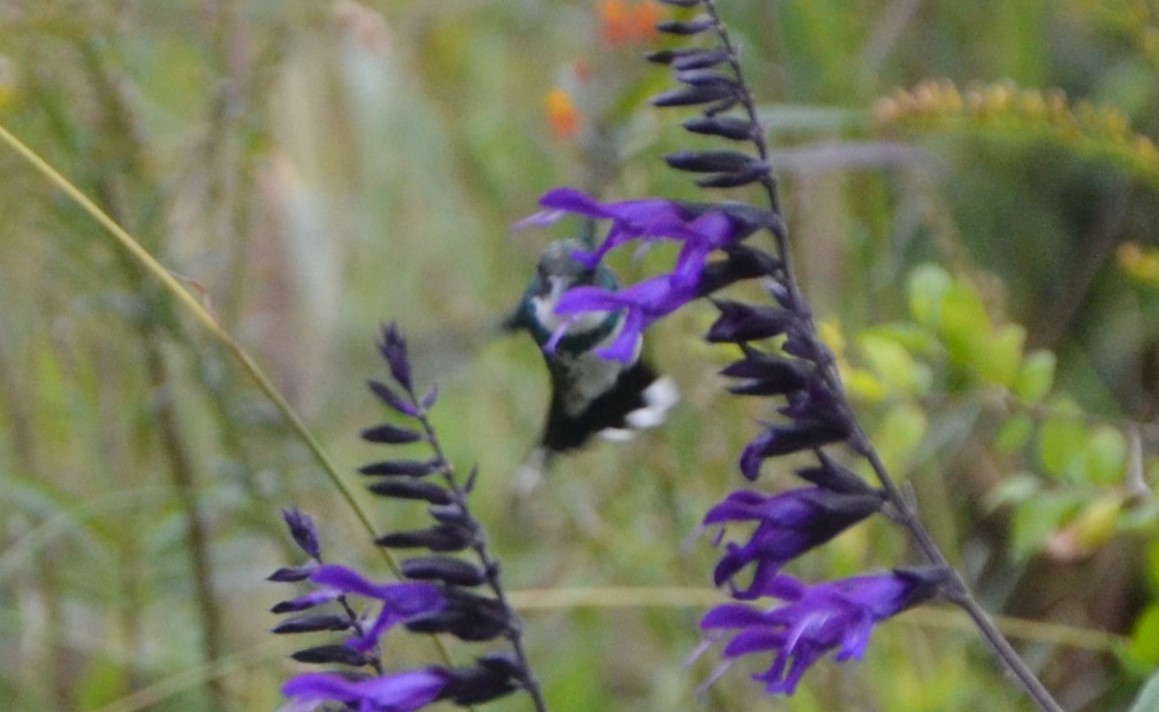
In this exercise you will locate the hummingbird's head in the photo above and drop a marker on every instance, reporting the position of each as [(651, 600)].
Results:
[(557, 272)]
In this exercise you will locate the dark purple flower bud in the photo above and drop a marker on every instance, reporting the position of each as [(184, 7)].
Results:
[(704, 78), (502, 662), (304, 602), (712, 161), (730, 127), (833, 476), (700, 58), (444, 569), (407, 468), (721, 106), (412, 489), (666, 56), (467, 616), (393, 348), (741, 262), (692, 27), (488, 680), (767, 375), (429, 398), (788, 524), (289, 574), (815, 620), (781, 295), (801, 346), (788, 438), (392, 399), (391, 435), (745, 322), (331, 654), (472, 478), (443, 538), (398, 692), (747, 219), (694, 96), (757, 171), (312, 624), (302, 530), (816, 402)]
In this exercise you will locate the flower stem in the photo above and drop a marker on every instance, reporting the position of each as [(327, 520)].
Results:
[(490, 565), (905, 513)]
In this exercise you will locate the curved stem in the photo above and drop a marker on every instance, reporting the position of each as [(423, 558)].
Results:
[(206, 319), (489, 563), (958, 593)]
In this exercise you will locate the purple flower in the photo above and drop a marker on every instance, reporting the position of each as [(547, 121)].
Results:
[(701, 229), (656, 297), (399, 692), (643, 303), (400, 601), (648, 218), (789, 524), (815, 620)]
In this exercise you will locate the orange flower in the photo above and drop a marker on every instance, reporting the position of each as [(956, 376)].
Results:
[(615, 22), (644, 20), (622, 24), (562, 117)]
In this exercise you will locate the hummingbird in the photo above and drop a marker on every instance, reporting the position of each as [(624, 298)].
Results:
[(590, 395)]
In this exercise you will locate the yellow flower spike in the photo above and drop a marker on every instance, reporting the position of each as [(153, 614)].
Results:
[(1094, 132), (975, 101), (952, 97), (998, 99), (1033, 105)]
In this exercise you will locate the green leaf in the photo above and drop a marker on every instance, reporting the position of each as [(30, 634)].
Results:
[(916, 339), (965, 325), (1036, 519), (1143, 649), (1096, 523), (894, 366), (1106, 456), (1062, 440), (926, 287), (1014, 490), (1013, 434), (1036, 377), (998, 362), (904, 427)]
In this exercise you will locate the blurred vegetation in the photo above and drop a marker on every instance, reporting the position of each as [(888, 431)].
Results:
[(971, 189)]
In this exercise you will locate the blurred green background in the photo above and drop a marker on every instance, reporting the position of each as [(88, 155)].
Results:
[(971, 191)]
